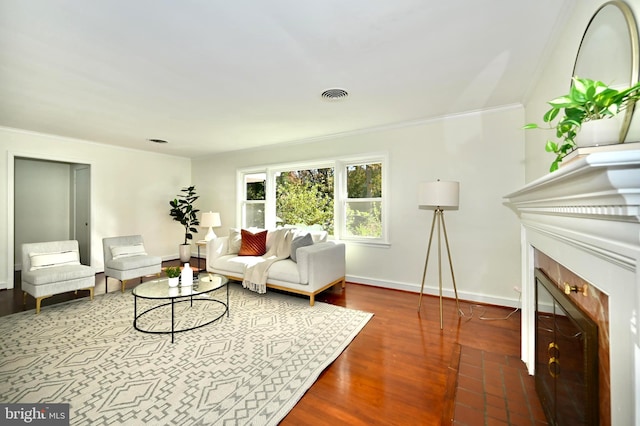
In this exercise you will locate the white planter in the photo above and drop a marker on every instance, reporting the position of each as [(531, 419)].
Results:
[(600, 132), (173, 282), (185, 252)]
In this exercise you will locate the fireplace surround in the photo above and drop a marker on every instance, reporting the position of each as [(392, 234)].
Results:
[(586, 217)]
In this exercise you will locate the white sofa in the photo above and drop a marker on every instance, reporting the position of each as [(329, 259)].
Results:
[(318, 267)]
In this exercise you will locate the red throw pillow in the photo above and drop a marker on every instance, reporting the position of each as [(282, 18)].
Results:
[(253, 244)]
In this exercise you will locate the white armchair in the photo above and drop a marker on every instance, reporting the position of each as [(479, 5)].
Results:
[(125, 258), (54, 267)]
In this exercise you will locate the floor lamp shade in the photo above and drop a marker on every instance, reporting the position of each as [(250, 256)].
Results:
[(210, 220), (444, 194)]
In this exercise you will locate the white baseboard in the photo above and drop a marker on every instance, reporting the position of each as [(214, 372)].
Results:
[(431, 290)]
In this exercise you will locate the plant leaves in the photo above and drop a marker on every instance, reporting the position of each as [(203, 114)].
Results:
[(561, 102), (551, 146), (550, 115), (587, 100)]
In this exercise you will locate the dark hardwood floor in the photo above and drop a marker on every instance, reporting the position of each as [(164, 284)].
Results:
[(400, 370)]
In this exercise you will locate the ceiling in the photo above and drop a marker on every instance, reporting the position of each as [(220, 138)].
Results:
[(213, 76)]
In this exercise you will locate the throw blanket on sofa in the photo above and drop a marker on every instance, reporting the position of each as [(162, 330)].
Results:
[(255, 275)]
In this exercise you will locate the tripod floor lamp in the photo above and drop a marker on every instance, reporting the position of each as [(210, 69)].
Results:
[(439, 195)]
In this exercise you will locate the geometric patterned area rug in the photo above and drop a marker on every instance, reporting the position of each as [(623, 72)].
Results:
[(249, 368)]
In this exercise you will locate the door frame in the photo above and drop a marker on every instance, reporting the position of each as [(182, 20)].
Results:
[(76, 169)]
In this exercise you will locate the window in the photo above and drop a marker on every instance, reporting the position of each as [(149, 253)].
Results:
[(305, 197), (363, 202), (342, 197), (253, 205)]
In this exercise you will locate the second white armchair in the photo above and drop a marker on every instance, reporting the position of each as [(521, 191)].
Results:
[(126, 258)]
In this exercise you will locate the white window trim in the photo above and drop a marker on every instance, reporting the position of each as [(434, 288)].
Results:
[(341, 185), (339, 205), (241, 195)]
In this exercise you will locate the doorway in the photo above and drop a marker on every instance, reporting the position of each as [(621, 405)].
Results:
[(51, 202)]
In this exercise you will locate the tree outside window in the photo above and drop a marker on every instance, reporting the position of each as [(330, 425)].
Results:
[(305, 197), (364, 200)]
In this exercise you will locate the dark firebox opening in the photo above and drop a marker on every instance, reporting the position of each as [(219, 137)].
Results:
[(566, 357)]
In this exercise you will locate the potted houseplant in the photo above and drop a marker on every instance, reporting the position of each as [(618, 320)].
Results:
[(182, 211), (173, 273), (587, 100)]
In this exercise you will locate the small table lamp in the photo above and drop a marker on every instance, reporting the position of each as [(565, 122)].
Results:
[(440, 195), (210, 220)]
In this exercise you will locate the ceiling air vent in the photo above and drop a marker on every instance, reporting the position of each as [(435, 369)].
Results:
[(334, 94)]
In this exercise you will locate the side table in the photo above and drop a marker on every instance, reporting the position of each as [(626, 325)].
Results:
[(200, 243)]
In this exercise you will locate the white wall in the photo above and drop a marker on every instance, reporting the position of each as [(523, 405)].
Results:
[(130, 192), (554, 80), (484, 151), (42, 211)]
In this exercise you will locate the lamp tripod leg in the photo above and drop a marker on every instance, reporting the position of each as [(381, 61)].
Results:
[(439, 214), (453, 278), (424, 273)]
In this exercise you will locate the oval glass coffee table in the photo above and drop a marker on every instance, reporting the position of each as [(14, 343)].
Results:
[(160, 291)]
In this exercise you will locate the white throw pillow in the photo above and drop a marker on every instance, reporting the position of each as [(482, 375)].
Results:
[(319, 236), (50, 260), (118, 252), (235, 241)]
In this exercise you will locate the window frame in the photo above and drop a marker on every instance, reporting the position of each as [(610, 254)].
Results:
[(345, 200), (340, 193), (241, 196)]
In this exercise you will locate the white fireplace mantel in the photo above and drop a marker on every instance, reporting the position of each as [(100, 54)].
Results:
[(586, 216)]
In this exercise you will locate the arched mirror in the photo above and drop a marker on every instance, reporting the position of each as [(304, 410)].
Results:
[(609, 52)]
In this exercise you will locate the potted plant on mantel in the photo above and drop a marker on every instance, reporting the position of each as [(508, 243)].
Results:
[(588, 100), (182, 211)]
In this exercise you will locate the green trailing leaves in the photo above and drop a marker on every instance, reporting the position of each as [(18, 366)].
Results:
[(587, 100)]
